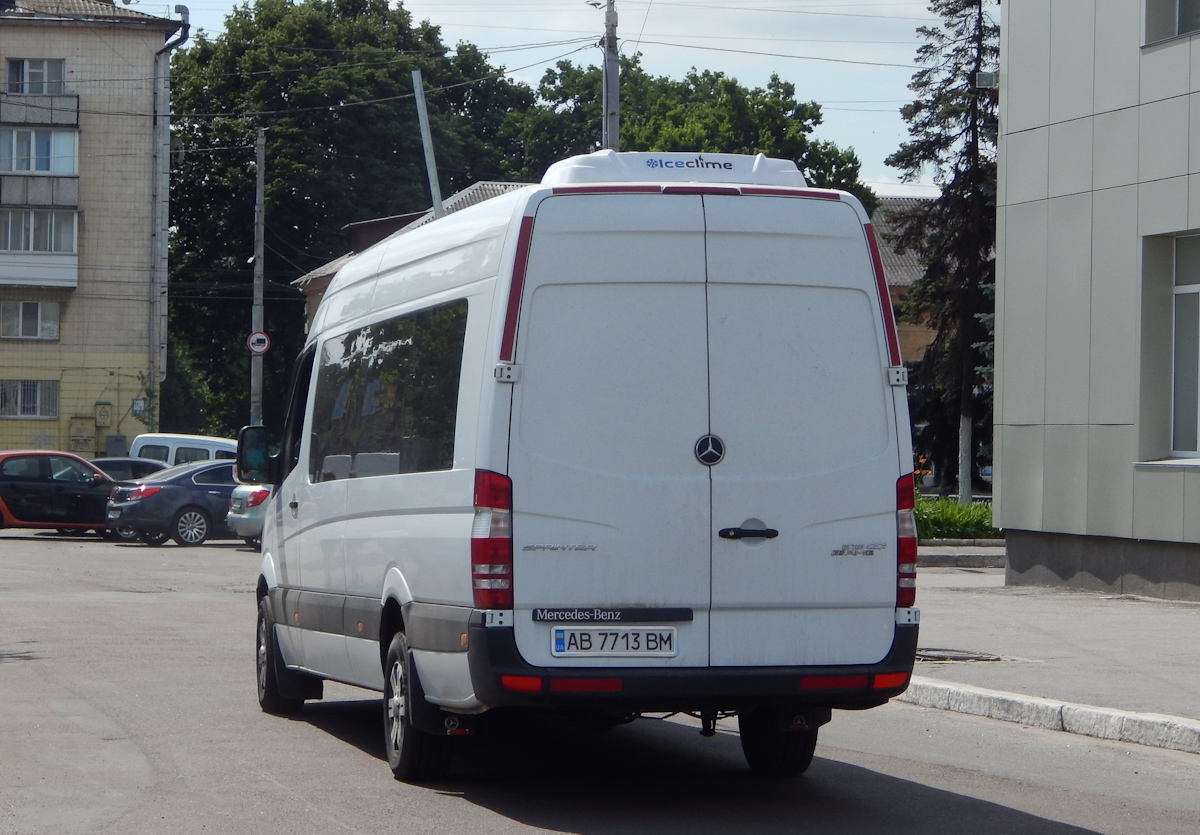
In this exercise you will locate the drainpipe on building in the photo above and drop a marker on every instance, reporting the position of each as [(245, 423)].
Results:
[(161, 197)]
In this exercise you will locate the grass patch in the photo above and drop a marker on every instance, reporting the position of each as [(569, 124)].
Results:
[(939, 518)]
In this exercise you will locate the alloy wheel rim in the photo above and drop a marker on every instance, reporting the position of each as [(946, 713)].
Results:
[(395, 706), (191, 527)]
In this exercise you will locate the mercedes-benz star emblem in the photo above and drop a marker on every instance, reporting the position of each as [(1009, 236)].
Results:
[(710, 450)]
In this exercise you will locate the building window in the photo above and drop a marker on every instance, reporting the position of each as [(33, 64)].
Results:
[(31, 230), (37, 151), (1188, 17), (29, 398), (29, 320), (1186, 367), (36, 76)]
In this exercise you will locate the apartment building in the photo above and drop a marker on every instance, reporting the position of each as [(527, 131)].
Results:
[(1097, 407), (82, 214)]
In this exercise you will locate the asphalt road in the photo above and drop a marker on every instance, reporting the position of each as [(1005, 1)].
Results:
[(127, 705)]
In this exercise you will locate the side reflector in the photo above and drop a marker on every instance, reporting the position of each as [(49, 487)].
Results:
[(833, 682), (886, 681), (521, 684), (585, 685)]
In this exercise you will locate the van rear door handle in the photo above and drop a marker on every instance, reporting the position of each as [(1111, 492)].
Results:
[(747, 533)]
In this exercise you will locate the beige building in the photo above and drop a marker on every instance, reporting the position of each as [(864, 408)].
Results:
[(1098, 294), (82, 260)]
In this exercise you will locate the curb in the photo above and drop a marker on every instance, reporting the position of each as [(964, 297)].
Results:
[(961, 560), (1152, 729)]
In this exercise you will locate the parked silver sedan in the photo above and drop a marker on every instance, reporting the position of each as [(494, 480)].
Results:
[(247, 509)]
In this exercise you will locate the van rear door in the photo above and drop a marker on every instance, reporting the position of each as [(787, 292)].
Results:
[(610, 506), (650, 321), (799, 396)]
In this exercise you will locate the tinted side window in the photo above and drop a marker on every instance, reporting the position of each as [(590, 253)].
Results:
[(156, 451), (217, 475), (387, 396), (188, 454), (27, 466)]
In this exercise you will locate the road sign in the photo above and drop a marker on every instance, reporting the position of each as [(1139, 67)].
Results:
[(258, 342)]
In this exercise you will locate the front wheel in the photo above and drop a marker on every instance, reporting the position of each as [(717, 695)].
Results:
[(266, 655), (771, 747), (414, 755), (190, 526)]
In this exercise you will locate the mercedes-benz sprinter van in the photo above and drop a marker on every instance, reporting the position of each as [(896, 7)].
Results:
[(633, 440)]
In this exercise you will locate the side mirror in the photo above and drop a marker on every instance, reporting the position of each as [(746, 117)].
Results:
[(254, 464)]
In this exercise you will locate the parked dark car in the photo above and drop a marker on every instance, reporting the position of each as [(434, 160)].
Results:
[(58, 490), (127, 469), (187, 503)]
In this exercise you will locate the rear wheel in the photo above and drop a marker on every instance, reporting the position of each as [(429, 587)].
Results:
[(190, 526), (771, 748), (266, 654), (253, 542), (152, 537), (124, 534), (413, 754)]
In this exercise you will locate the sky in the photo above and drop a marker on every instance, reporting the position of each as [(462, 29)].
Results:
[(853, 57)]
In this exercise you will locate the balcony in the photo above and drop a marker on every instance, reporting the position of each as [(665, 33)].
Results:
[(18, 109)]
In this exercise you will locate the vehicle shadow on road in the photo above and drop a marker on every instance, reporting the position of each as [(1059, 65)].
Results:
[(663, 777)]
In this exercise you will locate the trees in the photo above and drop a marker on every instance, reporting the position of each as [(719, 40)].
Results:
[(952, 125), (331, 81), (705, 111)]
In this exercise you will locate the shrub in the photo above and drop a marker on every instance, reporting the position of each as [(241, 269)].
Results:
[(939, 518)]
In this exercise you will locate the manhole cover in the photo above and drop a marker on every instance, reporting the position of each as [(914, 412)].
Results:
[(932, 654)]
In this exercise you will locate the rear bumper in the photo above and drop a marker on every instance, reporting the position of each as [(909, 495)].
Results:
[(502, 678)]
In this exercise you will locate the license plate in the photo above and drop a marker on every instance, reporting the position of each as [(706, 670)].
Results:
[(624, 642), (114, 514), (237, 504)]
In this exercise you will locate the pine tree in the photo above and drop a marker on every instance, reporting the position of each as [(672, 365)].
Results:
[(952, 129)]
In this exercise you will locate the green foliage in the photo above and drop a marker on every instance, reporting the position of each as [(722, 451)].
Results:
[(952, 129), (331, 81), (705, 111), (939, 518)]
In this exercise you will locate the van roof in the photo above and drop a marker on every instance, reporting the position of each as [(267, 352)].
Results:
[(638, 167)]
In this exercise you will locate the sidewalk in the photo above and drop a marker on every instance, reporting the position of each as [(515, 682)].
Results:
[(1115, 667)]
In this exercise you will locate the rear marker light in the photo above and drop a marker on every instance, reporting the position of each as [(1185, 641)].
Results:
[(257, 497), (521, 684), (906, 543), (886, 681), (585, 685), (142, 492), (491, 542), (833, 682)]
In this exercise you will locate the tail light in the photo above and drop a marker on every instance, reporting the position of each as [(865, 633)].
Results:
[(906, 542), (141, 492), (491, 542), (257, 497)]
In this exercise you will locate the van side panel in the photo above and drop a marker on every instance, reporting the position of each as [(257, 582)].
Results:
[(800, 396), (610, 504)]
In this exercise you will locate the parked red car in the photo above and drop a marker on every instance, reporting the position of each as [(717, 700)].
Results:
[(45, 489)]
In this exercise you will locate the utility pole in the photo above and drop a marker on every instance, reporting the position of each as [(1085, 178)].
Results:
[(611, 134), (435, 189), (256, 315)]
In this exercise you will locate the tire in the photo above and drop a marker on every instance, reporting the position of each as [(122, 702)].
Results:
[(124, 534), (191, 526), (770, 748), (265, 658), (253, 542), (414, 755), (152, 537)]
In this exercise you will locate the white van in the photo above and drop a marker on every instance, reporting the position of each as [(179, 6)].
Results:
[(181, 449), (634, 440)]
